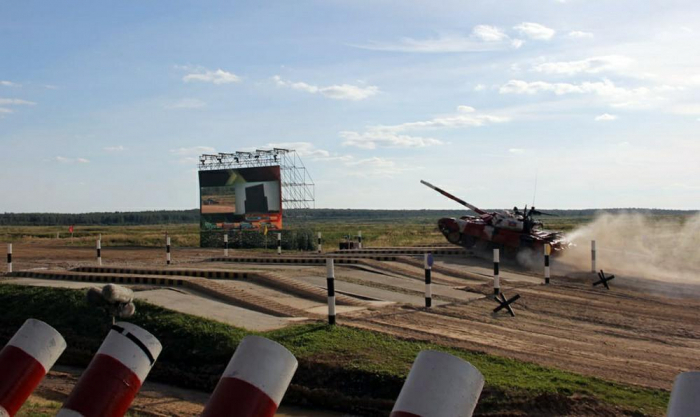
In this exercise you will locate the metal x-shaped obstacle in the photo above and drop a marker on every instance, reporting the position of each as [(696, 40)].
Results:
[(505, 303), (603, 279)]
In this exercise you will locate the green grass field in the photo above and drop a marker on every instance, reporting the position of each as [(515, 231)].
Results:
[(339, 367), (411, 231)]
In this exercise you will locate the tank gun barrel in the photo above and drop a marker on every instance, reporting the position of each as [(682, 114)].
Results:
[(450, 196)]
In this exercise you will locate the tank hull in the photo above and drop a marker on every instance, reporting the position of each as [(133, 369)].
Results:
[(469, 231)]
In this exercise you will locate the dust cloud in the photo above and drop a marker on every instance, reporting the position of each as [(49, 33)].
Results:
[(640, 246)]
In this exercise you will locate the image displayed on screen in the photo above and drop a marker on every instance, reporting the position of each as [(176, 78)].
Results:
[(244, 198)]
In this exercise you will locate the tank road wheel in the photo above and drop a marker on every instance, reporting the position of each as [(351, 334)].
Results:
[(468, 242), (454, 237)]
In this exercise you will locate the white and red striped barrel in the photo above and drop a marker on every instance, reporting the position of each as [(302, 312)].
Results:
[(254, 381), (24, 361), (115, 374), (439, 385)]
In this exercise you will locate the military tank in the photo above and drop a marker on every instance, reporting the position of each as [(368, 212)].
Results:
[(512, 232)]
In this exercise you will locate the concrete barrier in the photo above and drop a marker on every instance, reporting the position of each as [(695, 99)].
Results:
[(254, 381), (24, 362), (439, 385), (115, 374)]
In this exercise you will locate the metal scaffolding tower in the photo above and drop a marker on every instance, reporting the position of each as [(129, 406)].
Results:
[(298, 188)]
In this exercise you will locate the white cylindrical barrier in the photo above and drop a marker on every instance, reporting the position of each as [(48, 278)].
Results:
[(428, 285), (279, 243), (98, 246), (24, 361), (226, 244), (685, 396), (9, 258), (359, 239), (593, 256), (167, 250), (330, 284), (439, 385), (115, 374), (547, 252), (254, 381), (320, 243), (496, 272)]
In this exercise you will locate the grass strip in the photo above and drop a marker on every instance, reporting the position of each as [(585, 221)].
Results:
[(342, 368)]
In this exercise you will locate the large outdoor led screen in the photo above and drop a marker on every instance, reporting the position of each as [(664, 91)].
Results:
[(244, 198)]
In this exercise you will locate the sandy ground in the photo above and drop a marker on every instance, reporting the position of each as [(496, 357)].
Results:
[(625, 334)]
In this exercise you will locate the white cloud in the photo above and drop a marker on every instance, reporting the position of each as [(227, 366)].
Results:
[(516, 150), (65, 160), (336, 92), (119, 148), (195, 150), (488, 33), (377, 167), (616, 96), (686, 109), (578, 34), (191, 155), (593, 65), (517, 43), (309, 150), (9, 84), (446, 43), (375, 138), (15, 102), (466, 116), (186, 103), (479, 87), (605, 117), (216, 77), (535, 31), (4, 110)]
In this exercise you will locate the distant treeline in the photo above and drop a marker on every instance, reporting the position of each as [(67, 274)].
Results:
[(292, 216), (104, 219)]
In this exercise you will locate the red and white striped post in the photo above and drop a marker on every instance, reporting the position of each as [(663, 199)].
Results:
[(439, 385), (496, 272), (98, 246), (593, 256), (254, 381), (279, 243), (9, 258), (24, 361), (685, 400), (167, 250), (547, 252), (330, 284), (320, 243), (225, 243), (115, 374)]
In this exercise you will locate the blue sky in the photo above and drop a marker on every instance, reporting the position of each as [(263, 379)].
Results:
[(105, 106)]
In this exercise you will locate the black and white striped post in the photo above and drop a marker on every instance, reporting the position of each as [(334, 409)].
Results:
[(593, 270), (496, 276), (98, 247), (320, 243), (226, 243), (9, 258), (428, 265), (167, 250), (330, 283), (279, 243), (359, 239), (547, 252)]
